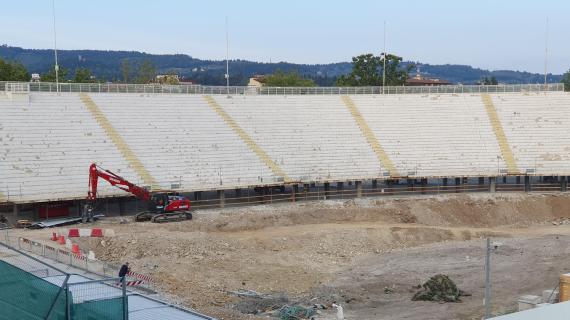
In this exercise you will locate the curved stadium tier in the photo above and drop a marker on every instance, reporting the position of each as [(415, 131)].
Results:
[(200, 142)]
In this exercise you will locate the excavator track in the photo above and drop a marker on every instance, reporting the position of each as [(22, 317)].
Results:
[(163, 217)]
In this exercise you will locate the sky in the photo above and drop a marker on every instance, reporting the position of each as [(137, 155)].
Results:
[(488, 34)]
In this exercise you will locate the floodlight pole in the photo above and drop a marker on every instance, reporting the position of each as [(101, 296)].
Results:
[(488, 280), (384, 67), (55, 49), (227, 58), (546, 55)]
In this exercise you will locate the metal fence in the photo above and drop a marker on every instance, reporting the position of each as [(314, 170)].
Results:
[(33, 289), (21, 87), (79, 261)]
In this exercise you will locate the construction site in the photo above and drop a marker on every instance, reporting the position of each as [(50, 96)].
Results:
[(233, 219)]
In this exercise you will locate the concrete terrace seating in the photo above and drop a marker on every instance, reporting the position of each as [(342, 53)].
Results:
[(311, 137), (537, 127), (433, 135), (46, 146), (47, 141), (182, 142)]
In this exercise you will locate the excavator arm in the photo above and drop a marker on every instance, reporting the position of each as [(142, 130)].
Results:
[(115, 180)]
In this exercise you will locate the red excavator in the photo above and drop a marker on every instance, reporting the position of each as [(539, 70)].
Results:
[(162, 207)]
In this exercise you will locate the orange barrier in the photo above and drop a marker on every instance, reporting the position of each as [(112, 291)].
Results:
[(75, 248), (54, 236), (61, 240)]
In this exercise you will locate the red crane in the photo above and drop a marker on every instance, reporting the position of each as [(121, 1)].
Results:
[(163, 206)]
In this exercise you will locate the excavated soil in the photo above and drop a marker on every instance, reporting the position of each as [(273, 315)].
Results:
[(347, 251)]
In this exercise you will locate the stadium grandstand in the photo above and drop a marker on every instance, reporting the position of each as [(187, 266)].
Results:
[(195, 139)]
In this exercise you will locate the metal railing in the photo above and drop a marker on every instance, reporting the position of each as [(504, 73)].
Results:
[(79, 261), (250, 90)]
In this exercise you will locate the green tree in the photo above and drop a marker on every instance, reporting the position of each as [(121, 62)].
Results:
[(125, 70), (492, 81), (368, 70), (13, 71), (146, 72), (83, 75), (566, 80), (50, 75), (290, 79)]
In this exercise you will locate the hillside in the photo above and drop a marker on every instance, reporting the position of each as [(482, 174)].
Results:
[(106, 65)]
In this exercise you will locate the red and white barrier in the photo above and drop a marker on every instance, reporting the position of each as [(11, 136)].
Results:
[(131, 283), (86, 232), (140, 276)]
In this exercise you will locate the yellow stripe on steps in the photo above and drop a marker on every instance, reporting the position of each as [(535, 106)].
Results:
[(247, 139), (119, 142), (506, 151), (370, 137)]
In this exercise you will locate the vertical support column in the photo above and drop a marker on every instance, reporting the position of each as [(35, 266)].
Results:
[(492, 184), (197, 195), (457, 185), (563, 184), (339, 189), (444, 182), (327, 189), (358, 185), (222, 197), (518, 180), (374, 184), (294, 191), (306, 189), (424, 182), (238, 193), (121, 207), (411, 184), (16, 210), (527, 183)]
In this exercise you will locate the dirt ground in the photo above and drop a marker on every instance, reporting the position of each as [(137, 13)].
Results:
[(350, 252)]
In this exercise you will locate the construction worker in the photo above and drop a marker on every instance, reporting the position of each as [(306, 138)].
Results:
[(124, 270)]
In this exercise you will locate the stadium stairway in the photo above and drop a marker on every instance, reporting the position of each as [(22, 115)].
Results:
[(370, 137), (121, 144), (261, 154), (506, 150)]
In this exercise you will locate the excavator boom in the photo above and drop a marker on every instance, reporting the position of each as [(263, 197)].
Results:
[(115, 180)]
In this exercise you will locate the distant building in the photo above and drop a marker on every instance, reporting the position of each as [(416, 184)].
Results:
[(168, 79), (419, 80), (256, 81)]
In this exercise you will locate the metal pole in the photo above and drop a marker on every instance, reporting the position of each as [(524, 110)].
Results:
[(488, 280), (384, 68), (125, 301), (227, 59), (55, 49), (546, 55)]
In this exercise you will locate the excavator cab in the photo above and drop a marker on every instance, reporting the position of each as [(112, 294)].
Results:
[(158, 203)]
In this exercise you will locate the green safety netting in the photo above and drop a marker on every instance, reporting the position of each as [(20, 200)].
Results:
[(24, 296)]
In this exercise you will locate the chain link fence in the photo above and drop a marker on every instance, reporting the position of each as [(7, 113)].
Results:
[(32, 289), (21, 87)]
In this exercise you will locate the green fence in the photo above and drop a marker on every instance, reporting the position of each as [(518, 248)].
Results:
[(31, 289), (25, 296)]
